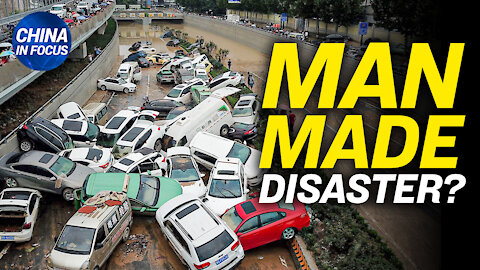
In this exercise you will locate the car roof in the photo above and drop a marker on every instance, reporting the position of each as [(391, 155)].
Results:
[(179, 150), (92, 219), (204, 140), (136, 157), (33, 158), (252, 207), (191, 215), (142, 126), (226, 168), (72, 126)]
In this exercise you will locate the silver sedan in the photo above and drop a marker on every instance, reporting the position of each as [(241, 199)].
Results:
[(43, 171)]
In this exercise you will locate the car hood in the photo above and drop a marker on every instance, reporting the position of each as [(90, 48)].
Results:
[(196, 188), (67, 261), (129, 84), (76, 179), (220, 205)]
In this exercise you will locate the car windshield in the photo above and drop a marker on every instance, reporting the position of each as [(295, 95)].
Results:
[(214, 246), (202, 76), (63, 166), (148, 190), (92, 131), (115, 170), (245, 111), (240, 151), (174, 93), (119, 151), (75, 240), (107, 140), (222, 188), (232, 218), (173, 113), (183, 170), (56, 8), (121, 81)]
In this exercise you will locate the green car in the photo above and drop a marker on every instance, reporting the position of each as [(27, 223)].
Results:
[(146, 192), (200, 93)]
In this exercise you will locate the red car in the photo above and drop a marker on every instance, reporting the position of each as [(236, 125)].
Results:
[(257, 224)]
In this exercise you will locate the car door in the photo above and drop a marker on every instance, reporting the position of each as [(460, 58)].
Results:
[(270, 227), (185, 96), (248, 234), (34, 177)]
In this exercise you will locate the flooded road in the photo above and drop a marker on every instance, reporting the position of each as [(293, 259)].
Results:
[(146, 248)]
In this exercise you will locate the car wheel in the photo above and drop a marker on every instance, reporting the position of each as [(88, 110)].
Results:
[(288, 233), (26, 145), (158, 145), (103, 87), (125, 90), (224, 131), (11, 182), (126, 234), (68, 194)]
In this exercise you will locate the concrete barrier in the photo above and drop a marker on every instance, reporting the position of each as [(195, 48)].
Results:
[(78, 90), (15, 76), (263, 41)]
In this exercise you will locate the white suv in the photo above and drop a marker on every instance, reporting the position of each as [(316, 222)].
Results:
[(200, 238), (227, 185)]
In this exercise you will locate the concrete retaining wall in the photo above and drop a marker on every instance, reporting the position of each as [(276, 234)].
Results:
[(79, 90), (263, 41)]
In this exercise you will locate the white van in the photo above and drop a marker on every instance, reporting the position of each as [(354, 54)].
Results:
[(212, 115), (93, 232), (60, 10), (96, 112), (207, 148), (130, 72)]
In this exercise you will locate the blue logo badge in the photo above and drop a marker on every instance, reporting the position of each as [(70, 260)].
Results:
[(41, 41)]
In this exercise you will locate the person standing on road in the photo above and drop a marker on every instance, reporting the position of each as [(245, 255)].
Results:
[(291, 120), (251, 81), (229, 63)]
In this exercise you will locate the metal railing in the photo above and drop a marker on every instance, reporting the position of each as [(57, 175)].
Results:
[(19, 16)]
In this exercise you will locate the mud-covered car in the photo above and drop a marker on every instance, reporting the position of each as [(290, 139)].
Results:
[(18, 214)]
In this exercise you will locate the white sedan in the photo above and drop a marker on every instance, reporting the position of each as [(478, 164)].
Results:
[(147, 49), (139, 136), (183, 168), (229, 78), (116, 84), (98, 159), (18, 214), (227, 185)]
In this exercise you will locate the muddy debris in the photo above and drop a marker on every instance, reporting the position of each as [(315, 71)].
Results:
[(139, 244)]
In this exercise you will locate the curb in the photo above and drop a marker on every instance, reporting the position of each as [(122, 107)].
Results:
[(305, 260)]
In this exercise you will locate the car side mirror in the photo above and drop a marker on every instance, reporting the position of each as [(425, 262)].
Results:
[(149, 172), (202, 175), (143, 209), (205, 199), (52, 178), (55, 239), (247, 190), (98, 245), (239, 234)]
